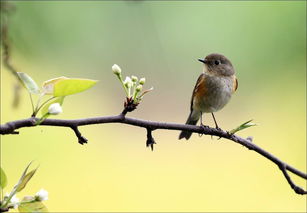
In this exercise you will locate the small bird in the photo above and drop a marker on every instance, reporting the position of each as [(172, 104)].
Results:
[(213, 89)]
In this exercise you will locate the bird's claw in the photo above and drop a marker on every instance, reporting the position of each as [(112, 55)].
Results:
[(203, 128), (229, 133), (217, 128)]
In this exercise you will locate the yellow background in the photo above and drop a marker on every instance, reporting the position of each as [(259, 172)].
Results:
[(266, 42)]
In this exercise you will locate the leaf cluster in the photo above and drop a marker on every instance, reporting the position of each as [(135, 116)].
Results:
[(28, 203), (54, 90)]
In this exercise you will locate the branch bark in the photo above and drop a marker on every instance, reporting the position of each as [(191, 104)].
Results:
[(150, 126)]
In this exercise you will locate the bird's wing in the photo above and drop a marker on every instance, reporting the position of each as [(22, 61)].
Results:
[(196, 89), (235, 84)]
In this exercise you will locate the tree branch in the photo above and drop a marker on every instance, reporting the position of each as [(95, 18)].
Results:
[(11, 127)]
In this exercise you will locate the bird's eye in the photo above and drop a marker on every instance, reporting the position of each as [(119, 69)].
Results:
[(217, 62)]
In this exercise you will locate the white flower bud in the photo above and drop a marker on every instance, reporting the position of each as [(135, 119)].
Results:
[(55, 109), (6, 196), (116, 69), (41, 195), (128, 82), (138, 88), (134, 78), (14, 202), (142, 81)]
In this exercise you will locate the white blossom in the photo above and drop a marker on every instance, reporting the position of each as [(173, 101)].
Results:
[(142, 81), (41, 195), (134, 78), (116, 69), (6, 195), (128, 82), (139, 88), (55, 109), (14, 202)]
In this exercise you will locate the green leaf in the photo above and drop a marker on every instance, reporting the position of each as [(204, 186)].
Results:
[(23, 174), (24, 180), (3, 179), (29, 83), (48, 86), (245, 125), (29, 204), (20, 181), (72, 86), (59, 100)]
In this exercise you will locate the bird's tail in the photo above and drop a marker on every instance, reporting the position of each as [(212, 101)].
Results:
[(192, 120)]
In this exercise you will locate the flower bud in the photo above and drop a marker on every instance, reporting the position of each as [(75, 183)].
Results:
[(6, 196), (128, 82), (142, 81), (41, 195), (138, 88), (55, 109), (134, 78), (14, 202), (116, 69)]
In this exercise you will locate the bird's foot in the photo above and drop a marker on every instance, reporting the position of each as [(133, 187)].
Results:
[(218, 128), (203, 128), (229, 133)]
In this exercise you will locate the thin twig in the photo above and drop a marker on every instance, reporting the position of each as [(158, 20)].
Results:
[(296, 188), (81, 140), (10, 128), (150, 140)]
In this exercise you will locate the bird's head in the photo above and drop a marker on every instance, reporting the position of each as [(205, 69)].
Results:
[(217, 64)]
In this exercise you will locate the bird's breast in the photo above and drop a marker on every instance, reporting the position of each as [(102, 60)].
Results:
[(213, 93)]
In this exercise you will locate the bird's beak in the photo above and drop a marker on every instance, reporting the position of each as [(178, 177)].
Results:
[(203, 60)]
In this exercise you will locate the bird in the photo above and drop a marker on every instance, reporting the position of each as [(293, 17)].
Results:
[(212, 91)]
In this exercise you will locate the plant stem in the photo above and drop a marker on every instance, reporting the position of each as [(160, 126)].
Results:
[(125, 88), (44, 103), (38, 101), (135, 95), (4, 205), (28, 201), (31, 102), (42, 118)]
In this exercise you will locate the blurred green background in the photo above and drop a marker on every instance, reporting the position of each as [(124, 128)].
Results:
[(160, 40)]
